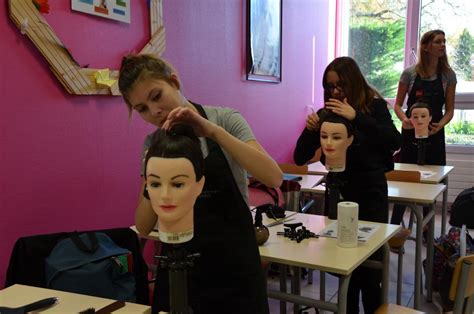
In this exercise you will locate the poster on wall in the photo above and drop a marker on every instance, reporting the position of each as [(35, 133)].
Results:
[(264, 40), (112, 9)]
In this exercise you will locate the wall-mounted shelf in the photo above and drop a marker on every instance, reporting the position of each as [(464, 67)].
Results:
[(76, 80)]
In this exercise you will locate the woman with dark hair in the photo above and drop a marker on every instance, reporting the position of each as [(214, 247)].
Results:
[(432, 81), (223, 224), (347, 94)]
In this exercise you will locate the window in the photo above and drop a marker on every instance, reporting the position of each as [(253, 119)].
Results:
[(383, 37)]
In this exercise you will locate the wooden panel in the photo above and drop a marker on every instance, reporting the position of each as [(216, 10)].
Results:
[(393, 308), (403, 176), (293, 169), (75, 79)]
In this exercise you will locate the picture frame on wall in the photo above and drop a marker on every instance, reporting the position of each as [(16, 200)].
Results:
[(118, 10), (264, 40)]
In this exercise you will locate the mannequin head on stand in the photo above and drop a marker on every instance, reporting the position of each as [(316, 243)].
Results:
[(420, 116), (336, 135), (174, 168)]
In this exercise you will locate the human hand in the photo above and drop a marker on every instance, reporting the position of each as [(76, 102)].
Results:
[(406, 124), (312, 122), (342, 108), (434, 128), (201, 126)]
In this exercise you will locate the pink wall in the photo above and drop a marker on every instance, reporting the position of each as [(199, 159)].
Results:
[(71, 162), (205, 43)]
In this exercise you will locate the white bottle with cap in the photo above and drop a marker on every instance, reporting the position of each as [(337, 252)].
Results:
[(462, 241), (347, 224)]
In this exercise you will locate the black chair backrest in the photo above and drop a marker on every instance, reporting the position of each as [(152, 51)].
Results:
[(27, 261)]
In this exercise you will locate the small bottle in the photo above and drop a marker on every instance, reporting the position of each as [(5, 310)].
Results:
[(462, 241), (261, 231)]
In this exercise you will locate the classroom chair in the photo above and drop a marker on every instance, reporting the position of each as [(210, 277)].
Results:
[(397, 243), (28, 259), (461, 290)]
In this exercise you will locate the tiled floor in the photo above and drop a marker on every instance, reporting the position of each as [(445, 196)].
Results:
[(407, 288)]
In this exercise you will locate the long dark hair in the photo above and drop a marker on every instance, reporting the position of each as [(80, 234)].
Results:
[(328, 116), (178, 142), (358, 91)]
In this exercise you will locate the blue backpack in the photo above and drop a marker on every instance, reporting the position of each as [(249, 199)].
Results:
[(92, 264)]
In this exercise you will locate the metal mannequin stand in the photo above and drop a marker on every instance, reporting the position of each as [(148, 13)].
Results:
[(178, 261), (333, 194), (421, 143)]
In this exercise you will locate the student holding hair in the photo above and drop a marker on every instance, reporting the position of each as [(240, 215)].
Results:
[(432, 81), (347, 93), (222, 220)]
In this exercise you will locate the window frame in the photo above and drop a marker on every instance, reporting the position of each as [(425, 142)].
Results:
[(463, 101)]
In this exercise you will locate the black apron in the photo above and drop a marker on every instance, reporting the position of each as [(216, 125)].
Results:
[(432, 93), (228, 276)]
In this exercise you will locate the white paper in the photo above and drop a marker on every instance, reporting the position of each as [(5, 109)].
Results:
[(426, 174), (365, 231), (347, 223)]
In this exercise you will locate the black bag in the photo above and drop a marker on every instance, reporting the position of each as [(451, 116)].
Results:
[(462, 210), (28, 259)]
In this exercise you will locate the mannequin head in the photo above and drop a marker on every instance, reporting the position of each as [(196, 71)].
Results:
[(174, 168), (420, 116), (336, 136)]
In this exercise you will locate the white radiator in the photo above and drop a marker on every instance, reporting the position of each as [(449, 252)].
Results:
[(462, 176)]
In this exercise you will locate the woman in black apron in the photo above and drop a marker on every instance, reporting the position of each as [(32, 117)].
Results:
[(348, 94), (432, 63), (228, 276)]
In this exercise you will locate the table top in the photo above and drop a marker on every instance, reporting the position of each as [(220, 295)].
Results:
[(414, 192), (316, 253), (317, 168), (309, 181), (19, 295), (438, 172), (321, 253), (405, 191)]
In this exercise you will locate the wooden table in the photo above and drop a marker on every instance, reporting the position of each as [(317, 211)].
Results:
[(440, 175), (321, 254), (415, 195), (317, 168), (19, 295)]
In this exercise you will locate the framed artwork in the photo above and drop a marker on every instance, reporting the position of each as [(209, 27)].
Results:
[(264, 24), (112, 9)]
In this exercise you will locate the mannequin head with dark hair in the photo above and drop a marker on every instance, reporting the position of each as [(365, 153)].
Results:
[(336, 135), (420, 116), (174, 168)]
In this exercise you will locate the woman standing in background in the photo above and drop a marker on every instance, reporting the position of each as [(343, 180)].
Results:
[(432, 81)]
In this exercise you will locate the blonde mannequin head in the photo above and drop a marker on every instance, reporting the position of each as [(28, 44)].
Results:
[(336, 135), (420, 116), (174, 168)]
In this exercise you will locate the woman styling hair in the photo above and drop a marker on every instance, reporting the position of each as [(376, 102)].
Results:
[(347, 94), (151, 87)]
